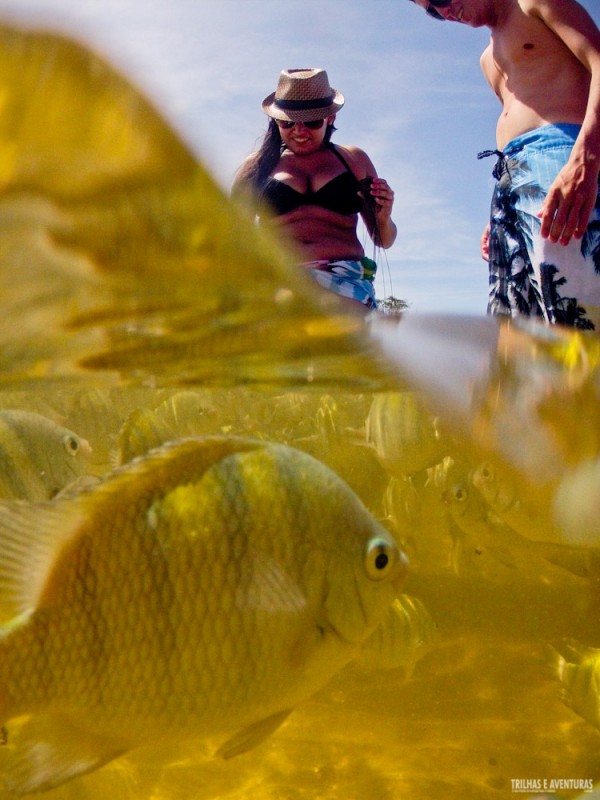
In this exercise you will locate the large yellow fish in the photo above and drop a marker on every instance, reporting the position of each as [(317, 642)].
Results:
[(38, 457), (198, 594)]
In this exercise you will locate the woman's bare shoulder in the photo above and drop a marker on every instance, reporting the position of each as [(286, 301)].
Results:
[(358, 160)]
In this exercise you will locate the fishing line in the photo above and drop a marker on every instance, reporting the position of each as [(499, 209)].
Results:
[(379, 256)]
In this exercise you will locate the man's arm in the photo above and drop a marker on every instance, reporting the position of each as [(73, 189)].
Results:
[(571, 198)]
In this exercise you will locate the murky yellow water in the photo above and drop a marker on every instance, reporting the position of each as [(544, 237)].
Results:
[(138, 306)]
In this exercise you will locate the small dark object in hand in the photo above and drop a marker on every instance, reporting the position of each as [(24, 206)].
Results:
[(369, 204)]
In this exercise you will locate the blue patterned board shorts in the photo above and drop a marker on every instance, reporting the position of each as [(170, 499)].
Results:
[(529, 275), (353, 279)]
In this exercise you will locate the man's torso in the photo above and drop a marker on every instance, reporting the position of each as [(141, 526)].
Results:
[(536, 77)]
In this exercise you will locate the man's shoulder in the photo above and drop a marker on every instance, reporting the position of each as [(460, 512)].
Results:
[(526, 18), (543, 8)]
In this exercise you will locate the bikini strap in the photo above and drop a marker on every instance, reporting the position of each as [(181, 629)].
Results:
[(340, 157)]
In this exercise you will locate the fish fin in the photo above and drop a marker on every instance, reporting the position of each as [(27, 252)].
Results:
[(31, 537), (271, 587), (252, 736), (142, 431), (81, 483), (49, 751), (193, 454), (578, 670)]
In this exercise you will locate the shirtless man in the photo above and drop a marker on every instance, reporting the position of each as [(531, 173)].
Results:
[(543, 240)]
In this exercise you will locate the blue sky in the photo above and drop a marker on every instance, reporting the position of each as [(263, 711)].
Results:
[(415, 101)]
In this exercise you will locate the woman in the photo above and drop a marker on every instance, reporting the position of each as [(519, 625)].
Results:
[(314, 189)]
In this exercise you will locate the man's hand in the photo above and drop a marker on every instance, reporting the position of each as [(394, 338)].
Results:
[(484, 243), (566, 210)]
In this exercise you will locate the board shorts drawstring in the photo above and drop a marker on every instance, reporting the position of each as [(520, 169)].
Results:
[(501, 165)]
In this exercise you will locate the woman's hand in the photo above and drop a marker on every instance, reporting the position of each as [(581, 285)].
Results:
[(383, 196)]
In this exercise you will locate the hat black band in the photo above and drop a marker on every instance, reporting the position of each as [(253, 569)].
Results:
[(302, 105)]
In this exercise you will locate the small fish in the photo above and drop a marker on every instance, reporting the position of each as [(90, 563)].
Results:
[(197, 594), (479, 547), (185, 413), (496, 547), (500, 491), (406, 634), (405, 436), (578, 669), (38, 457), (419, 518)]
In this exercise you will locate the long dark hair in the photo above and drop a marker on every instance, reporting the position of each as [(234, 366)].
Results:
[(268, 154)]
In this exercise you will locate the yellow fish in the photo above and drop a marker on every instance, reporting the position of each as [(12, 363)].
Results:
[(406, 635), (195, 596), (578, 669), (185, 413), (406, 437), (420, 520), (500, 491), (38, 457)]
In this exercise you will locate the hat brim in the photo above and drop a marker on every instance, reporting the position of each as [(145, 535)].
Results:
[(304, 114)]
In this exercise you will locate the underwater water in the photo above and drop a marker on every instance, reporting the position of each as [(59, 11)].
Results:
[(140, 307)]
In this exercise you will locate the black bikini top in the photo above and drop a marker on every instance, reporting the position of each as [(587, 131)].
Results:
[(339, 194)]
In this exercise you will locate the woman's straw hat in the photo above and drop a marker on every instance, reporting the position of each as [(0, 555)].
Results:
[(303, 95)]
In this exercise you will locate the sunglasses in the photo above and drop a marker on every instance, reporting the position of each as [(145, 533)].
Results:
[(433, 4), (288, 124)]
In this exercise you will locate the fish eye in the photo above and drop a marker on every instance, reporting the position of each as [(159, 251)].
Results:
[(455, 494), (71, 444), (380, 559), (459, 493), (486, 472)]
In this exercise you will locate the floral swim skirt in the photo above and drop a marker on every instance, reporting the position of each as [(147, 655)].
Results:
[(353, 279)]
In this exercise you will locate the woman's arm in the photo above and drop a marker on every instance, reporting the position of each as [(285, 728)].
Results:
[(379, 198)]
